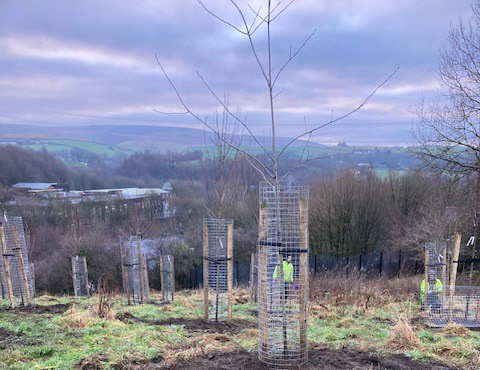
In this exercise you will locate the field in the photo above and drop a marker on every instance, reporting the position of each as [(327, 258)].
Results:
[(56, 145), (355, 324)]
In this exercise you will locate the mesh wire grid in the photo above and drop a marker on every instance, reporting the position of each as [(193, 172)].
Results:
[(167, 277), (283, 275), (459, 305), (16, 257), (134, 271), (443, 304), (80, 276), (253, 279), (218, 268)]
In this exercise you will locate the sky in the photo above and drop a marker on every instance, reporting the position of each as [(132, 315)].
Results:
[(65, 62)]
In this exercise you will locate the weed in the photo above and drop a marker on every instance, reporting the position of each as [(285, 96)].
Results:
[(402, 335)]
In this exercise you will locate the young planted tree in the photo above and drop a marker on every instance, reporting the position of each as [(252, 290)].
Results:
[(283, 206)]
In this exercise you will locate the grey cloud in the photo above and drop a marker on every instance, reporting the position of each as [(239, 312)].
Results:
[(354, 49)]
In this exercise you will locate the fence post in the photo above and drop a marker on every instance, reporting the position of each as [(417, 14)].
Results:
[(6, 264), (205, 271), (399, 262), (229, 271), (348, 264), (381, 263), (416, 267), (360, 263)]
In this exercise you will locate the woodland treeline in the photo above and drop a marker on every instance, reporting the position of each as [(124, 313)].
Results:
[(352, 211)]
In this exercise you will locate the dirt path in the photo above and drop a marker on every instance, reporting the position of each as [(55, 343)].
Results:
[(321, 358), (197, 325), (55, 309)]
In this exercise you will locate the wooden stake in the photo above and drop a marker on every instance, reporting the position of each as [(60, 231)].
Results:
[(454, 266), (6, 265), (427, 263), (162, 280), (86, 276), (229, 270), (126, 275), (303, 271), (444, 269), (146, 286), (22, 266), (263, 277), (172, 276), (140, 272), (205, 270), (74, 275), (252, 276)]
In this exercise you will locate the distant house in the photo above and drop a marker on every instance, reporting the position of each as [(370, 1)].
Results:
[(36, 186)]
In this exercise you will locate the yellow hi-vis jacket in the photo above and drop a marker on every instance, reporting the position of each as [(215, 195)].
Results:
[(287, 272), (423, 288)]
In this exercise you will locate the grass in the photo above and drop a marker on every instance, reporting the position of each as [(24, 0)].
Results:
[(368, 316), (56, 145)]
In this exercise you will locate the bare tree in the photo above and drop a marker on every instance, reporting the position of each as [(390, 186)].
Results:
[(448, 133), (251, 20), (218, 163)]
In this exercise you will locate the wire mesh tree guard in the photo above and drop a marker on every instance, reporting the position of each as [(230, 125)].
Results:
[(444, 304), (80, 276), (134, 271), (15, 275), (167, 277), (283, 275), (218, 268)]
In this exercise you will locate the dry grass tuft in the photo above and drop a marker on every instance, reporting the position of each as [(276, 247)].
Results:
[(402, 335), (74, 318), (455, 329), (240, 296), (194, 347), (104, 300), (359, 293), (347, 322)]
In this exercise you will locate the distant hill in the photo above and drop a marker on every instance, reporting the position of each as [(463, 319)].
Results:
[(116, 139)]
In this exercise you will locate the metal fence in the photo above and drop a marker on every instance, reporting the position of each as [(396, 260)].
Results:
[(389, 264)]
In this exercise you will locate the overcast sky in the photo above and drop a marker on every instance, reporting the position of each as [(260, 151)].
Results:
[(67, 62)]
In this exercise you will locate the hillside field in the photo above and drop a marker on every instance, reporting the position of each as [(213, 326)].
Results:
[(359, 328)]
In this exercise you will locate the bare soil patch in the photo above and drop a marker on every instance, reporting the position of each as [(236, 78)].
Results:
[(322, 358), (55, 309), (196, 325), (10, 339)]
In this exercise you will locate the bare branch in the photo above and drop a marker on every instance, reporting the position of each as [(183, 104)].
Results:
[(292, 56), (362, 104), (233, 115), (221, 19), (203, 121), (314, 159)]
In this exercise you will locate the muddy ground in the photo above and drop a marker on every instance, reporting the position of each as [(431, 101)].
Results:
[(55, 309), (196, 325), (9, 339), (322, 358)]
